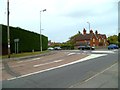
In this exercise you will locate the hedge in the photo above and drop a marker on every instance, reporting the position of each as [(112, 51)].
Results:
[(28, 40)]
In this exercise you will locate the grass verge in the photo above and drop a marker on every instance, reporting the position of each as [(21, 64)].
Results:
[(23, 54)]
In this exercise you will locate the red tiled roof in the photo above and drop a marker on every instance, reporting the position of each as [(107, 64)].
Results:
[(101, 35)]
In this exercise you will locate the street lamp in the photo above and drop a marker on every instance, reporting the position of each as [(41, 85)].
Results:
[(89, 25), (41, 29), (8, 30)]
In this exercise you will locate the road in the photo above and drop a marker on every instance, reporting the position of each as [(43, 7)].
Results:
[(66, 76), (107, 78)]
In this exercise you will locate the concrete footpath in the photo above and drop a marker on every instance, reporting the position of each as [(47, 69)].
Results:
[(105, 79)]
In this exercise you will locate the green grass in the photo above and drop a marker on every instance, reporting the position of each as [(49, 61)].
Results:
[(23, 54)]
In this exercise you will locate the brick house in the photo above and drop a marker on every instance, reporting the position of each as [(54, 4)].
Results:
[(52, 44), (91, 38)]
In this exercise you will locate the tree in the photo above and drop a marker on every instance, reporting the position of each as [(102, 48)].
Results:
[(72, 38), (67, 46), (113, 39), (119, 37)]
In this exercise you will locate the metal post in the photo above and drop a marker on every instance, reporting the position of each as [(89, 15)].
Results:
[(89, 25), (40, 34), (8, 31), (40, 30), (15, 47)]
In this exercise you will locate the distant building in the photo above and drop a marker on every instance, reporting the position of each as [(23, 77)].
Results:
[(91, 38), (52, 44)]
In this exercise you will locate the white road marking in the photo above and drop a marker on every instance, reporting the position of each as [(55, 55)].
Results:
[(94, 75), (85, 51), (48, 63), (29, 60), (92, 56), (81, 60), (70, 54), (22, 64), (42, 64), (103, 51), (36, 58), (17, 65), (100, 72), (115, 50), (59, 60)]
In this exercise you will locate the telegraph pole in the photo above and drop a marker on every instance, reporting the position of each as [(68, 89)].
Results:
[(8, 30)]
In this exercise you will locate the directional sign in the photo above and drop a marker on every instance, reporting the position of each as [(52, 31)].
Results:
[(16, 40)]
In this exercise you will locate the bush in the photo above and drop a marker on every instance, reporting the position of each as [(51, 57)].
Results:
[(119, 44), (28, 41), (67, 46)]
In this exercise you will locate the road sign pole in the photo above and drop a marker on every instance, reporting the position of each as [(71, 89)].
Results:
[(15, 47)]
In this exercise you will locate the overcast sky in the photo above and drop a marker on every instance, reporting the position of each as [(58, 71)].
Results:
[(63, 18)]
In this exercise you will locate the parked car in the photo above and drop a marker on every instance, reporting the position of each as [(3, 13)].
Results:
[(57, 48), (50, 48), (86, 47), (113, 46)]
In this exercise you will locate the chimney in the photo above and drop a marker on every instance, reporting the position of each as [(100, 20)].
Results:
[(79, 32), (96, 32), (84, 31), (91, 31)]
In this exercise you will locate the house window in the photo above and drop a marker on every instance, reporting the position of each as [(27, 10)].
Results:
[(93, 40), (99, 40), (88, 42), (104, 40)]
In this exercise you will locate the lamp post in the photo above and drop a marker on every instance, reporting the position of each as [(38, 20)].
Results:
[(8, 30), (89, 25), (40, 30)]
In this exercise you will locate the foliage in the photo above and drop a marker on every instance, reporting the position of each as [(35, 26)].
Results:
[(113, 39), (24, 54), (56, 45), (27, 40), (119, 39), (67, 46), (72, 39)]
